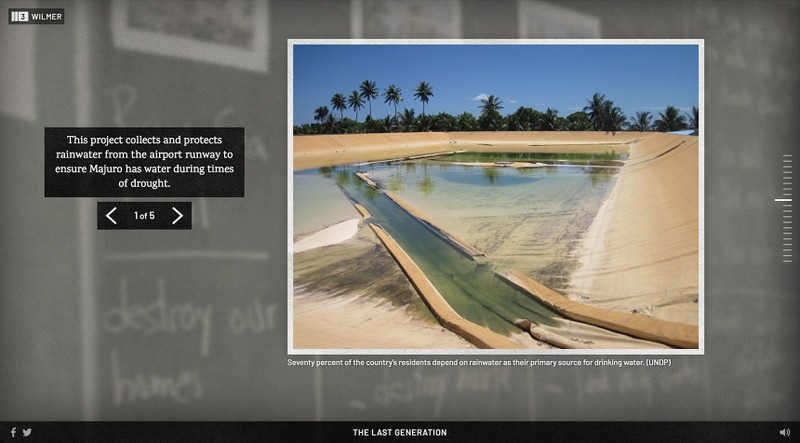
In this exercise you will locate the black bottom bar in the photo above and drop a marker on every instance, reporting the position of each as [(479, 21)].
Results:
[(360, 431)]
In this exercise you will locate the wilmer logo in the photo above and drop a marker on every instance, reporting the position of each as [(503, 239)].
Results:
[(19, 16), (36, 16)]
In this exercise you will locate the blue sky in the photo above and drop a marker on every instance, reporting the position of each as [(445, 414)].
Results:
[(563, 77)]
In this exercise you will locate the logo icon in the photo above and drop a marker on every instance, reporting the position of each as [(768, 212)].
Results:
[(35, 16), (27, 432), (19, 16), (13, 432)]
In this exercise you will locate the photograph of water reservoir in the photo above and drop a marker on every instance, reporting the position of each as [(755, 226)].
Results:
[(524, 197)]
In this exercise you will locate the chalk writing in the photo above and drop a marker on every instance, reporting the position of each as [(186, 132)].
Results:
[(141, 386), (159, 316), (407, 390), (484, 380), (254, 317)]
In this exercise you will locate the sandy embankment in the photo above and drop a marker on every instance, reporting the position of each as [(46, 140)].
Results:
[(361, 322), (680, 335), (338, 303), (328, 236), (641, 252), (314, 151)]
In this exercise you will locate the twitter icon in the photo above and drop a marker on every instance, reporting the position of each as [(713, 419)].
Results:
[(27, 432)]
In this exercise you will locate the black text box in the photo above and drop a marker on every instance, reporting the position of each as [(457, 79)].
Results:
[(144, 162)]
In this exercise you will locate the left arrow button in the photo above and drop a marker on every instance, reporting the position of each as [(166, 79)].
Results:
[(108, 216)]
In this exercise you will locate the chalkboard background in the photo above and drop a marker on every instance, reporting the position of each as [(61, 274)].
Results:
[(65, 356)]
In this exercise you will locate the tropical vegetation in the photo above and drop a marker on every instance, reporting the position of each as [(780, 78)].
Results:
[(599, 114), (423, 92), (368, 91), (355, 102), (338, 103), (670, 120), (393, 95)]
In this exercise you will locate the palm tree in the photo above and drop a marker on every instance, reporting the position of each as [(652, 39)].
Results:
[(338, 103), (354, 101), (389, 123), (513, 123), (670, 120), (393, 94), (643, 121), (490, 103), (490, 121), (330, 124), (320, 113), (408, 119), (368, 91), (424, 123), (579, 121), (694, 118), (595, 109), (423, 92), (550, 120), (613, 118), (527, 119), (466, 122)]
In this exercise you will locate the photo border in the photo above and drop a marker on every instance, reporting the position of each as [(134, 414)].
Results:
[(291, 350)]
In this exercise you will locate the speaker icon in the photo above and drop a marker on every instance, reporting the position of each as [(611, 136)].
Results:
[(785, 432)]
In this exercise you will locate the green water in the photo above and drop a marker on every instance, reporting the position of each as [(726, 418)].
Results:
[(470, 287), (539, 199)]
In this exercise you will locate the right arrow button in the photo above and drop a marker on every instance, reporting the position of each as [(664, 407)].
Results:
[(180, 216)]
